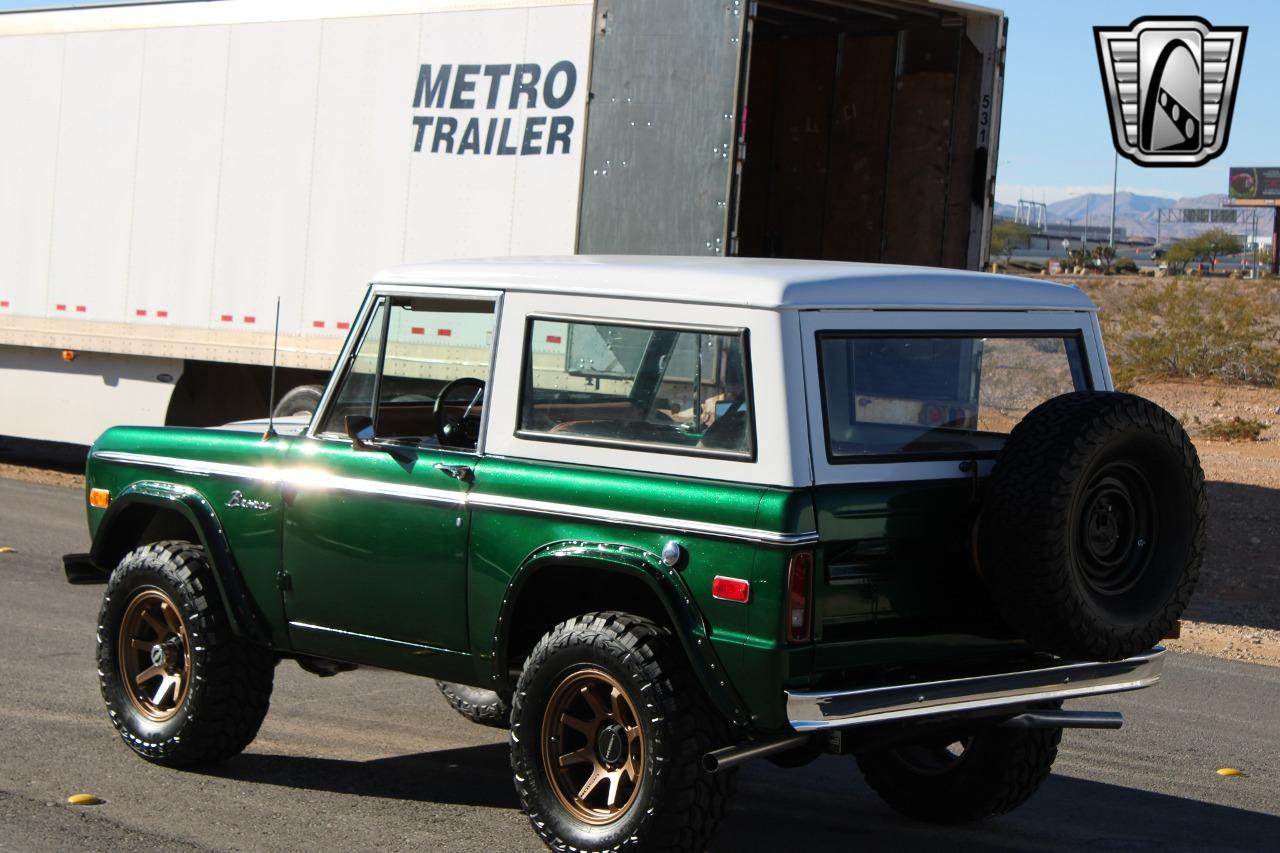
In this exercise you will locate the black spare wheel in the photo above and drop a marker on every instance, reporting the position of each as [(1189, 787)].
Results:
[(1093, 529)]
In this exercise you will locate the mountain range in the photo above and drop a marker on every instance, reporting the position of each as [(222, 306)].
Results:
[(1137, 213)]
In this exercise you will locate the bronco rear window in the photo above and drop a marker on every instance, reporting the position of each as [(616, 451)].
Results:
[(937, 395)]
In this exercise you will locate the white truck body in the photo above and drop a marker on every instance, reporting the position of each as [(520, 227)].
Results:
[(181, 166)]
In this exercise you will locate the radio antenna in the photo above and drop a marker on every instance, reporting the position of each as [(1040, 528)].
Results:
[(271, 394)]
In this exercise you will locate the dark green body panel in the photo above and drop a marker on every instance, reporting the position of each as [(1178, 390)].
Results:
[(250, 551), (896, 579), (382, 566), (424, 580), (501, 551)]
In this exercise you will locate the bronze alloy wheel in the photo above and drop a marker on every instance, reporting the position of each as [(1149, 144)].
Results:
[(592, 747), (154, 655)]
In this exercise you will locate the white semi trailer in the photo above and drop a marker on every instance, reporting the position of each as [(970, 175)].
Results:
[(168, 170)]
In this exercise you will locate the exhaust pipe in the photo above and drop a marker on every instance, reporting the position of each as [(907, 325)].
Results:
[(732, 756), (1065, 720)]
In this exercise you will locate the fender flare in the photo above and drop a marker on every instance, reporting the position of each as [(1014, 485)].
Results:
[(243, 614), (666, 584)]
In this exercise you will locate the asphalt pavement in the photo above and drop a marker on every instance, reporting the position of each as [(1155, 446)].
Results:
[(376, 760)]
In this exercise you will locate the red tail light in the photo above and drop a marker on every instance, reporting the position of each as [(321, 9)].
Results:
[(799, 591)]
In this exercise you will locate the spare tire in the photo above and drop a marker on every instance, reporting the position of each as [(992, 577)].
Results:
[(1093, 527)]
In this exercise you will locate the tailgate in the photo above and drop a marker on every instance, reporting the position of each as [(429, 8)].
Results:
[(895, 577)]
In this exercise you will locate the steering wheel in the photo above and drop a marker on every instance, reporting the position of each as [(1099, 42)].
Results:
[(463, 431)]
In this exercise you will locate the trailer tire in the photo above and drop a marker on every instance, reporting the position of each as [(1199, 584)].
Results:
[(299, 402), (1093, 530)]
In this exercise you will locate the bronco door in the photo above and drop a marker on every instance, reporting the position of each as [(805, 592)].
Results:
[(376, 525)]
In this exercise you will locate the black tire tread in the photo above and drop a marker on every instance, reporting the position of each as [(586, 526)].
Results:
[(1015, 764), (693, 802), (1019, 542), (237, 676), (478, 705)]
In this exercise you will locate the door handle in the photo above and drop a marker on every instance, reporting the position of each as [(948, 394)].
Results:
[(457, 472)]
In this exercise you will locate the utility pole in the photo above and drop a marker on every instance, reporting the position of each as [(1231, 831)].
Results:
[(1275, 241), (1088, 203), (1115, 175)]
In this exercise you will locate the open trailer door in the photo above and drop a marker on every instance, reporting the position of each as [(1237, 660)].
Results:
[(870, 131), (660, 129)]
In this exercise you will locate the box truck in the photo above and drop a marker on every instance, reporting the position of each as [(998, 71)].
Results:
[(171, 170)]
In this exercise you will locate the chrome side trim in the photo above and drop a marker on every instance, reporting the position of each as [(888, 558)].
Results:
[(308, 626), (810, 711), (635, 519), (192, 466), (309, 478), (312, 479)]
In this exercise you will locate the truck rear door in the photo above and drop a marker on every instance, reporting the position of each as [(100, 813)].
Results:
[(907, 412)]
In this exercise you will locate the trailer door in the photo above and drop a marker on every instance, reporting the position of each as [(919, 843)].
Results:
[(660, 127)]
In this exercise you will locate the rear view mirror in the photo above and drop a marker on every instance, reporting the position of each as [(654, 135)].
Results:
[(360, 431)]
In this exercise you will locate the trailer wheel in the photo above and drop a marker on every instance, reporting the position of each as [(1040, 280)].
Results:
[(299, 402), (608, 728), (180, 688)]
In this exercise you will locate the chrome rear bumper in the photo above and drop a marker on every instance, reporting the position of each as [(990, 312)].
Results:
[(812, 711)]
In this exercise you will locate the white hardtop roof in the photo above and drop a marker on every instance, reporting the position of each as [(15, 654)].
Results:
[(750, 282)]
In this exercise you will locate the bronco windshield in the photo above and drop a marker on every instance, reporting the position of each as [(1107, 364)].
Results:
[(937, 394)]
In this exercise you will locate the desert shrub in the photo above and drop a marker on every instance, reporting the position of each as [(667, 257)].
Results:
[(1236, 429), (1125, 266), (1193, 328)]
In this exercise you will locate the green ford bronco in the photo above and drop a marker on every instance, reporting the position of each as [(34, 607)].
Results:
[(660, 516)]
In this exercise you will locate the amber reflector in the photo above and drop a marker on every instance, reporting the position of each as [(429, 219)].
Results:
[(99, 498)]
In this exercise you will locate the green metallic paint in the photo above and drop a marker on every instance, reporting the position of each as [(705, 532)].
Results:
[(379, 565), (251, 536), (420, 583), (665, 581), (501, 542), (915, 594)]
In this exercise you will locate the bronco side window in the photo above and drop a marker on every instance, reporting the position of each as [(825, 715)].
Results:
[(411, 351), (642, 387)]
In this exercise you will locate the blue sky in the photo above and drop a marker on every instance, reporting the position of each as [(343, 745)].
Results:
[(1055, 139)]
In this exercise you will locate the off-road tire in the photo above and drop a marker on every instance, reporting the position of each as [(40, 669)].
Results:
[(230, 680), (998, 771), (678, 805), (1084, 483), (302, 400), (477, 704)]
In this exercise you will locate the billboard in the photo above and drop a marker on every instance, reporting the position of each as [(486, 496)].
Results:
[(1254, 186)]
